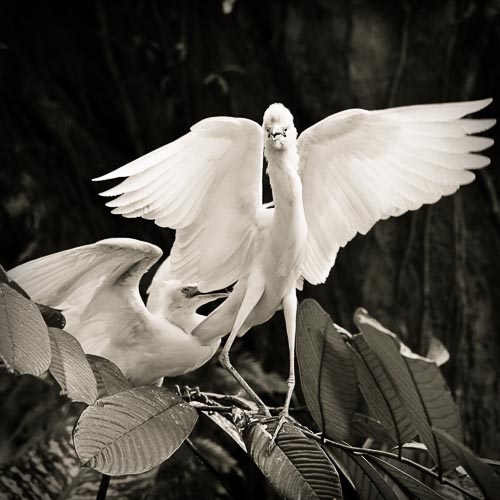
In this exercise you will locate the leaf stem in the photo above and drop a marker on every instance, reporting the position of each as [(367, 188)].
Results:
[(103, 487), (388, 454)]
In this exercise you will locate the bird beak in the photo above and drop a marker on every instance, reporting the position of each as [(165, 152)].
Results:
[(276, 132), (204, 298)]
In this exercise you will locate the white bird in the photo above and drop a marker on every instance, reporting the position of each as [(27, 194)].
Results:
[(337, 179), (97, 288)]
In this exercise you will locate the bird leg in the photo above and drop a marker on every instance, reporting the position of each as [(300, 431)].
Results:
[(290, 313), (226, 363), (253, 293)]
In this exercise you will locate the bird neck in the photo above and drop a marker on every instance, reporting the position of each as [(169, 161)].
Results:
[(187, 320), (159, 305), (284, 178)]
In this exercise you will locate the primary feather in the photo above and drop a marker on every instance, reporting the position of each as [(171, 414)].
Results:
[(358, 167)]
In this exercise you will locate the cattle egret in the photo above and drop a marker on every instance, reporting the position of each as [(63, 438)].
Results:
[(97, 288), (337, 179)]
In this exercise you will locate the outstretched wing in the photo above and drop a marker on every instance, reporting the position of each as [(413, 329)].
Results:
[(208, 186), (73, 279), (360, 166)]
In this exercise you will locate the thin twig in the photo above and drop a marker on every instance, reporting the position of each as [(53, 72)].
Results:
[(212, 408), (372, 452)]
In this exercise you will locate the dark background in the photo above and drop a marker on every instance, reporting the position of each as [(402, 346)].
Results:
[(88, 86)]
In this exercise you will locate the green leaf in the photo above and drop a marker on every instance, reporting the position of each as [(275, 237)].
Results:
[(409, 484), (3, 275), (380, 393), (297, 467), (437, 352), (24, 340), (52, 317), (420, 386), (485, 477), (133, 431), (70, 367), (366, 426), (367, 481), (224, 424), (327, 371), (4, 278), (109, 377)]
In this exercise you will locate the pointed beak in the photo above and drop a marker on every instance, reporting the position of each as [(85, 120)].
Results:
[(276, 132), (204, 298)]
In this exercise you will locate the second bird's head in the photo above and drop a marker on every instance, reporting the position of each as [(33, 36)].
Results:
[(181, 300), (278, 128)]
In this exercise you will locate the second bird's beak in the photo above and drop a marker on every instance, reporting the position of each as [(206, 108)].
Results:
[(204, 298)]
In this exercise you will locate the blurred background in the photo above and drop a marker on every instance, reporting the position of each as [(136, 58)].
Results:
[(89, 86)]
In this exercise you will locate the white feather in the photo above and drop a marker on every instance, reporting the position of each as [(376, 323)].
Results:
[(358, 167)]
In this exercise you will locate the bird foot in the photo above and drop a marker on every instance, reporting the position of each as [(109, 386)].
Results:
[(283, 417), (187, 393)]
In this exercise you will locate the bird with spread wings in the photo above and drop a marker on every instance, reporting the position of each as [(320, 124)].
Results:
[(337, 179), (96, 287)]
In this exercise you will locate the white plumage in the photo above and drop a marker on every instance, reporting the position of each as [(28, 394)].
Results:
[(97, 288), (341, 176)]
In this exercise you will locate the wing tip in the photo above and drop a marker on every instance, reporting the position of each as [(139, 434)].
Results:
[(131, 243), (480, 104), (110, 175)]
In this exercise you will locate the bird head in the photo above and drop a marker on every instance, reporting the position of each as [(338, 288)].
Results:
[(181, 301), (278, 127)]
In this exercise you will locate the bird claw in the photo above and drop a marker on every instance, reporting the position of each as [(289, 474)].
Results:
[(188, 394), (284, 417)]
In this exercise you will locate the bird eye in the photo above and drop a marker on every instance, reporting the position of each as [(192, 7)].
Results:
[(185, 289)]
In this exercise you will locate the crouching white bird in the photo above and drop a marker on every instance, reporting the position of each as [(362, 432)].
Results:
[(97, 288), (337, 179)]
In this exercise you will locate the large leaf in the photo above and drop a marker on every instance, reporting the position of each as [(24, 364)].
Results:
[(366, 426), (420, 386), (380, 394), (109, 377), (224, 424), (296, 467), (367, 481), (133, 431), (4, 278), (24, 340), (70, 367), (52, 317), (408, 483), (327, 371), (485, 477)]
